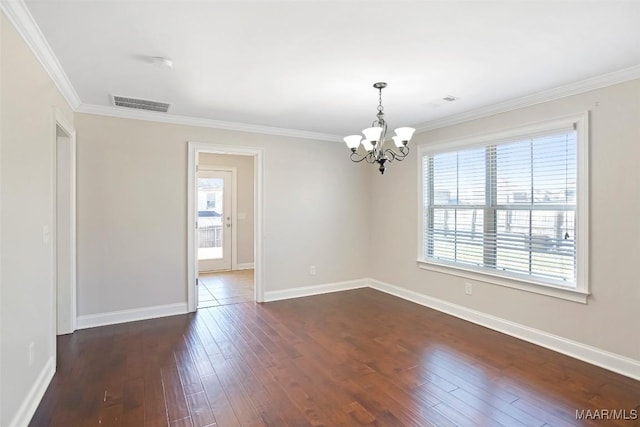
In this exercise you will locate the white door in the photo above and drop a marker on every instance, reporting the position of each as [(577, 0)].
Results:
[(214, 220)]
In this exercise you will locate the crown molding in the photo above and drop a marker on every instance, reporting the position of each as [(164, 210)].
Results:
[(19, 15), (582, 86), (125, 113)]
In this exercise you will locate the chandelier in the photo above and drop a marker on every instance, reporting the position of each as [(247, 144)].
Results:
[(373, 143)]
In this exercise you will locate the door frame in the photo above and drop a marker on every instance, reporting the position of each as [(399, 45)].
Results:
[(193, 149), (70, 288), (234, 206)]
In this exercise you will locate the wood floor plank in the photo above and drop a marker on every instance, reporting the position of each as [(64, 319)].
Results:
[(349, 358), (467, 409), (189, 375), (252, 373), (286, 409), (237, 395), (496, 406), (201, 414), (385, 411), (110, 416), (296, 389), (223, 342), (133, 403), (208, 342), (175, 399), (325, 392), (182, 422), (155, 412), (218, 401)]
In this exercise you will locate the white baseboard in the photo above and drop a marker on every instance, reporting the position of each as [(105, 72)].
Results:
[(605, 359), (35, 395), (122, 316), (611, 361), (306, 291), (245, 266)]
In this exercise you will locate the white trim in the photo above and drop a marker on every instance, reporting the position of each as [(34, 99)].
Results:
[(258, 160), (234, 217), (595, 356), (1, 221), (305, 291), (66, 125), (570, 89), (582, 202), (192, 213), (578, 294), (129, 113), (502, 135), (569, 294), (132, 315), (244, 266), (35, 395), (19, 15)]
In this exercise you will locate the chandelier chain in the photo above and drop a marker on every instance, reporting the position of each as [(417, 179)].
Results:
[(380, 107)]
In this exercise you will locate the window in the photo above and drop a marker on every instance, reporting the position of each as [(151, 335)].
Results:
[(506, 205)]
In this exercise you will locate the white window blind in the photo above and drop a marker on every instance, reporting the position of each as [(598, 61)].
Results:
[(506, 207)]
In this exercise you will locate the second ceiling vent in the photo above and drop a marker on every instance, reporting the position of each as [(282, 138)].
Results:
[(140, 104)]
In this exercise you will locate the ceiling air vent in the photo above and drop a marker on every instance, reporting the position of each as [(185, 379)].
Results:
[(140, 104)]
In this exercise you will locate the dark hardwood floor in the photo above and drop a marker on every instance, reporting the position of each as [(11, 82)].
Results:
[(343, 359)]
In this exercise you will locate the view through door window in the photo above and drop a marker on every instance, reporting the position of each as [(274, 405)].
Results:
[(210, 208)]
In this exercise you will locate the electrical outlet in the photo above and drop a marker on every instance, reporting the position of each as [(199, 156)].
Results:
[(31, 352), (468, 288), (312, 270)]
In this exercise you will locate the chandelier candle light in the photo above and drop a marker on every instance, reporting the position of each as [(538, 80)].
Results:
[(374, 140)]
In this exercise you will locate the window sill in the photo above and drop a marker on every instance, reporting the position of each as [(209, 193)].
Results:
[(568, 294)]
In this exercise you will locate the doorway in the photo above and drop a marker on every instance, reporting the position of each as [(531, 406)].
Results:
[(215, 234), (64, 225)]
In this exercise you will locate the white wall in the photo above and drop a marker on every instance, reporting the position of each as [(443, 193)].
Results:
[(27, 95), (245, 183), (611, 318), (132, 207)]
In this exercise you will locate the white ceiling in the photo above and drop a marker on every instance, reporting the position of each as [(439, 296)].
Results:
[(310, 65)]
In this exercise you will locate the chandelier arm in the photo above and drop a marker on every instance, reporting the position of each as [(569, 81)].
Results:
[(404, 151), (357, 158), (392, 155)]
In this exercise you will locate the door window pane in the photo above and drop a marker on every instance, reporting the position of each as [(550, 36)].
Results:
[(210, 211)]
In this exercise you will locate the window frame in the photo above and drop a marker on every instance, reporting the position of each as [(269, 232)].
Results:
[(580, 292)]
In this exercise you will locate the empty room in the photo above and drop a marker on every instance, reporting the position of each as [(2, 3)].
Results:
[(319, 213)]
